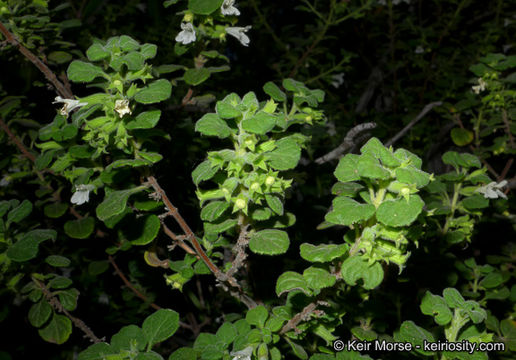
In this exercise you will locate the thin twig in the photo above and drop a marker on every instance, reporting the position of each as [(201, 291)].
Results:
[(189, 235), (60, 88), (17, 141), (128, 283), (423, 112), (56, 304), (304, 315), (178, 240), (346, 144)]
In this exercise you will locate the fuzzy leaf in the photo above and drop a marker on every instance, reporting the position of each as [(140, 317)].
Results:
[(145, 120), (27, 247), (322, 253), (212, 125), (399, 212), (58, 330), (81, 228), (286, 155), (269, 242), (115, 203), (204, 7), (80, 71), (318, 278), (157, 91), (289, 281), (347, 169), (160, 326), (347, 211), (356, 267)]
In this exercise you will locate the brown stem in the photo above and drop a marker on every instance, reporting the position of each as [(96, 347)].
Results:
[(219, 275), (304, 315), (508, 127), (60, 88), (17, 141), (128, 283), (56, 304), (179, 240), (240, 247)]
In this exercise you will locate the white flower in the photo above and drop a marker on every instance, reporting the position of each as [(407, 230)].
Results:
[(82, 194), (337, 80), (5, 181), (419, 50), (480, 87), (187, 34), (239, 33), (122, 107), (243, 354), (69, 105), (492, 190), (227, 8)]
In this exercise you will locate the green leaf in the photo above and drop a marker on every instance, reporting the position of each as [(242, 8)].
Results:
[(347, 211), (274, 91), (68, 298), (204, 7), (59, 282), (436, 306), (99, 351), (297, 349), (453, 298), (220, 227), (289, 281), (59, 57), (145, 120), (81, 228), (196, 76), (39, 313), (260, 123), (400, 212), (461, 137), (127, 43), (97, 52), (157, 91), (347, 169), (227, 111), (322, 253), (227, 333), (145, 229), (148, 51), (274, 203), (269, 242), (27, 247), (58, 330), (20, 212), (213, 210), (212, 125), (417, 336), (127, 337), (257, 316), (183, 354), (286, 155), (356, 267), (379, 151), (475, 202), (57, 261), (464, 160), (55, 210), (368, 166), (115, 203), (80, 71), (318, 278), (160, 326), (492, 280), (412, 175), (204, 171)]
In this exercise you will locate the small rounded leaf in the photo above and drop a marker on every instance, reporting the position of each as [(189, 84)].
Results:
[(269, 242), (160, 326)]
